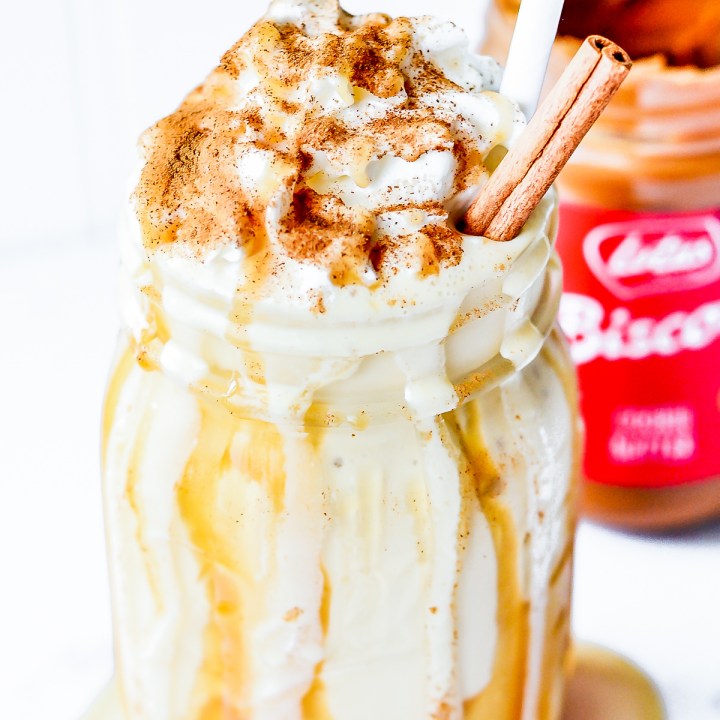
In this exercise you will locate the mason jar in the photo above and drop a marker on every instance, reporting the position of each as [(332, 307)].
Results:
[(360, 511)]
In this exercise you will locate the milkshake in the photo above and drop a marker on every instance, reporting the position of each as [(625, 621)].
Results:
[(340, 435)]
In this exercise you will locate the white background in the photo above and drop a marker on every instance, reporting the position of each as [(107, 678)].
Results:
[(80, 80)]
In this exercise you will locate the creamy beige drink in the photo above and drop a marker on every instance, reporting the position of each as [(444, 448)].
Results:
[(339, 438)]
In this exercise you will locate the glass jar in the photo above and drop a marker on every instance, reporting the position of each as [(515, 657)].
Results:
[(640, 241), (316, 519)]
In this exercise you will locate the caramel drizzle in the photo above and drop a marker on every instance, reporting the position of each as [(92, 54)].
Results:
[(231, 451), (558, 646), (134, 478), (118, 379), (502, 698), (224, 676), (315, 703), (128, 362)]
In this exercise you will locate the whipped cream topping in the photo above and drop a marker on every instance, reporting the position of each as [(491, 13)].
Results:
[(327, 139)]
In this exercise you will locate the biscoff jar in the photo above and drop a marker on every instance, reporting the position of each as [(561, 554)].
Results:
[(356, 505), (640, 241)]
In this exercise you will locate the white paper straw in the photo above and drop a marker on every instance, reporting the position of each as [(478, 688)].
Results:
[(529, 53)]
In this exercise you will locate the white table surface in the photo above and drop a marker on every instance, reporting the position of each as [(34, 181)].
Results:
[(656, 600)]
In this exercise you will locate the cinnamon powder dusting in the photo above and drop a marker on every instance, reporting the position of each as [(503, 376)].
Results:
[(262, 154), (442, 245)]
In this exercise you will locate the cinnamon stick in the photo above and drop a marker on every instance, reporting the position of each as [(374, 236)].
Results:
[(528, 170)]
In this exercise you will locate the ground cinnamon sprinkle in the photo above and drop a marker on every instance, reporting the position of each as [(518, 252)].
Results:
[(188, 192), (471, 168), (325, 134), (373, 57), (431, 207), (250, 144), (445, 242), (411, 134), (322, 228)]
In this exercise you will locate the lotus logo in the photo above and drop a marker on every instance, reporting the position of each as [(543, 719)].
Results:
[(655, 256)]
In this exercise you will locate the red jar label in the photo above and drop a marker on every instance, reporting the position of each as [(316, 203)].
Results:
[(642, 312)]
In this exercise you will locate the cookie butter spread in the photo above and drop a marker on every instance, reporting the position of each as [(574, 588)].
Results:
[(339, 437)]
